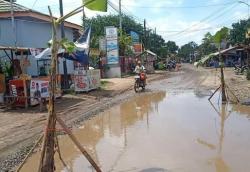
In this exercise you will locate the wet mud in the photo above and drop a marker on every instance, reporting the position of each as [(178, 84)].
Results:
[(161, 131)]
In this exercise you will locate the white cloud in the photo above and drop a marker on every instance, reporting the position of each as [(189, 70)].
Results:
[(161, 18)]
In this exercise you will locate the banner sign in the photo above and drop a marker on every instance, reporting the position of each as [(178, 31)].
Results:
[(102, 44), (137, 48), (111, 33), (135, 37), (38, 88), (112, 45), (87, 80)]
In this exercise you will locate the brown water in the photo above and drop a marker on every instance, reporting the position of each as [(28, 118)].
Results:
[(176, 132)]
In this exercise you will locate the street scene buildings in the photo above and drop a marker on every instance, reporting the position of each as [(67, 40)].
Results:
[(140, 86)]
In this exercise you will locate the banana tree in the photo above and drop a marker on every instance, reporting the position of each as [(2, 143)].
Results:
[(222, 35), (47, 154)]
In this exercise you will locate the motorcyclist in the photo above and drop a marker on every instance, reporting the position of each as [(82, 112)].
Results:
[(140, 69)]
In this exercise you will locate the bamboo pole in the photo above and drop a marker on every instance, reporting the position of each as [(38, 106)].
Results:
[(224, 98), (79, 146), (30, 152), (214, 93), (47, 155)]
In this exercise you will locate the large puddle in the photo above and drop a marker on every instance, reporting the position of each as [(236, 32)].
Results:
[(156, 132)]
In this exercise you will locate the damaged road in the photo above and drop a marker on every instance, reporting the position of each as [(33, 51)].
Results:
[(25, 127)]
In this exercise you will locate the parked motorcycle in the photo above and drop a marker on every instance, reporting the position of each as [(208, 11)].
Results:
[(140, 82), (241, 69), (171, 65)]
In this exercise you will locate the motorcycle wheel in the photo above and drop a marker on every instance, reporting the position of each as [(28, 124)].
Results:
[(136, 86)]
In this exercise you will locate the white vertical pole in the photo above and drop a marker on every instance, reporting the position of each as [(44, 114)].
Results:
[(13, 23), (120, 15)]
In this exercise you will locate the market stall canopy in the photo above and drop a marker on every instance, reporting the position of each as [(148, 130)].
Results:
[(14, 48), (81, 53)]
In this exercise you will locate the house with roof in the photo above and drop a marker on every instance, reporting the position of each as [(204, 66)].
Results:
[(30, 30), (234, 55), (148, 59)]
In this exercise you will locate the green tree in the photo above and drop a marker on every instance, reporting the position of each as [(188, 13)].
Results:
[(238, 32), (125, 42), (171, 47), (188, 49), (222, 35), (99, 23), (207, 46), (157, 45)]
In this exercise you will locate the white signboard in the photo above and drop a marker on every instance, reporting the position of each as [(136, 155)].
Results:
[(111, 33), (102, 44), (112, 45), (88, 80)]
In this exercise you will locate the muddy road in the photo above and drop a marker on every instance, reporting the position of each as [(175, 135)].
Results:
[(171, 127)]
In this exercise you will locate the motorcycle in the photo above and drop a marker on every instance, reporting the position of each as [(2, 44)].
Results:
[(140, 82), (171, 65)]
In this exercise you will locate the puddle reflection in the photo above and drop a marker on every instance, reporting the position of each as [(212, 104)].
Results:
[(178, 132)]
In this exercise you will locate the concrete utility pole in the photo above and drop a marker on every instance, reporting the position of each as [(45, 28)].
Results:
[(120, 15), (13, 23), (65, 71), (145, 35)]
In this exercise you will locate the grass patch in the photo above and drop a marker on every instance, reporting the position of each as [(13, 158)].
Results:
[(104, 84)]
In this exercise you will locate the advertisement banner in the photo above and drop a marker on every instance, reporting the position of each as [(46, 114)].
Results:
[(38, 88), (111, 33), (137, 48), (102, 44), (135, 37), (86, 81), (81, 83), (112, 45), (2, 83)]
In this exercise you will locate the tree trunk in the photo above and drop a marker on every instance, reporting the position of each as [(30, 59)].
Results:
[(224, 98), (47, 154)]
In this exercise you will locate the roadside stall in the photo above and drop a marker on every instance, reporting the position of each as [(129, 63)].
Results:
[(86, 80), (20, 75)]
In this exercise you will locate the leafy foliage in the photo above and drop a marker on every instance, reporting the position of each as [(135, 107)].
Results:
[(238, 32), (125, 41), (99, 23), (154, 42), (221, 35), (207, 46), (186, 50), (67, 45)]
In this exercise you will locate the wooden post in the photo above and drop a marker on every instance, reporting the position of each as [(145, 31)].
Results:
[(47, 154), (78, 145), (224, 98)]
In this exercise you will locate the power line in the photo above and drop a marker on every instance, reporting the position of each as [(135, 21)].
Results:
[(210, 17), (198, 6), (34, 4)]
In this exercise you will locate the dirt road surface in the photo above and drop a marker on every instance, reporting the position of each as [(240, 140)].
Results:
[(19, 128)]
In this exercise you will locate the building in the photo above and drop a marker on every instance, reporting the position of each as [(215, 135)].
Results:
[(237, 55), (148, 59), (32, 30)]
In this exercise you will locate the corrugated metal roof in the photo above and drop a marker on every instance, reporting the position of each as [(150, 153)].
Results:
[(5, 6)]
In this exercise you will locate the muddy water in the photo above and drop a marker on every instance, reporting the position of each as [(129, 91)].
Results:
[(176, 132)]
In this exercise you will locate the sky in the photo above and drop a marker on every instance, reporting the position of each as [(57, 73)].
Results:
[(181, 21)]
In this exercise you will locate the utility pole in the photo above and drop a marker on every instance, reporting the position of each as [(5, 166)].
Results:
[(145, 35), (120, 15), (65, 71), (13, 23), (155, 39)]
